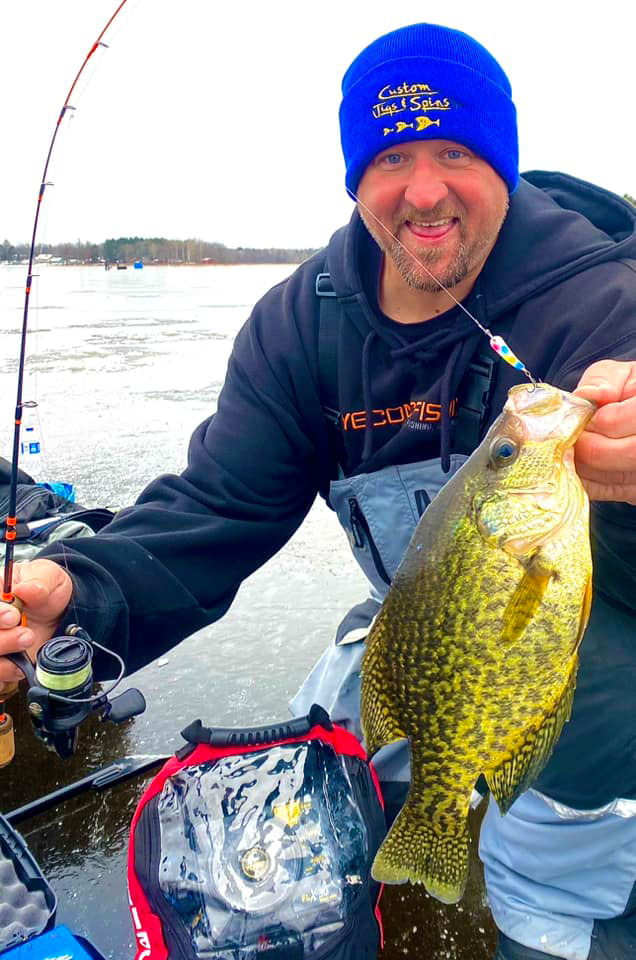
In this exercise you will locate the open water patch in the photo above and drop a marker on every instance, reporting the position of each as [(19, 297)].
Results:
[(227, 306), (211, 391)]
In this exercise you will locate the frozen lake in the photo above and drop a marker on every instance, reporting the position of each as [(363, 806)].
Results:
[(123, 365)]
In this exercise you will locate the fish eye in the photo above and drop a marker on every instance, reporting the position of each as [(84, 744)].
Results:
[(503, 452)]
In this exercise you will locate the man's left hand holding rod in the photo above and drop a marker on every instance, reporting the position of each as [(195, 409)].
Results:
[(45, 589)]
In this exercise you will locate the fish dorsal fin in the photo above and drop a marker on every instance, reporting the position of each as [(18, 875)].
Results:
[(379, 705), (524, 602), (586, 607), (509, 780)]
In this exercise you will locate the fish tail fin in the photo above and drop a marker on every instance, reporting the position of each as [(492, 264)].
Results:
[(413, 851)]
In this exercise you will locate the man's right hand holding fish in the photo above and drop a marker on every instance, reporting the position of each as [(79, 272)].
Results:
[(606, 451)]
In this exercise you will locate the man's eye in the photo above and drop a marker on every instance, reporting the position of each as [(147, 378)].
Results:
[(454, 154), (392, 158)]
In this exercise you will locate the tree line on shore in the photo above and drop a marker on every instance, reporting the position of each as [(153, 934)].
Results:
[(160, 250), (152, 250)]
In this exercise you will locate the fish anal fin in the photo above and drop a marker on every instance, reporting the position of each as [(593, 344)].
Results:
[(518, 771), (524, 603)]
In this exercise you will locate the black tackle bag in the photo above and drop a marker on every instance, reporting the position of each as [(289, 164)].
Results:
[(45, 513), (254, 844)]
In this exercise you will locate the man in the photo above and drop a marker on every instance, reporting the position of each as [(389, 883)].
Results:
[(360, 378)]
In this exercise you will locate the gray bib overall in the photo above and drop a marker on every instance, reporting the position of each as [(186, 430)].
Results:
[(379, 512)]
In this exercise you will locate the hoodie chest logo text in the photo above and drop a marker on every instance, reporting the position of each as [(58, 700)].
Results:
[(412, 413)]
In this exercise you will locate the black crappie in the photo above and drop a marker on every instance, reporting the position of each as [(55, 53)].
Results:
[(473, 655)]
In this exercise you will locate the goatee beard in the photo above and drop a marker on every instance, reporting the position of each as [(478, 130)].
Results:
[(411, 267), (413, 271)]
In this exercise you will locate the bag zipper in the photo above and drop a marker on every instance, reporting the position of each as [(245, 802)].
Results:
[(150, 881)]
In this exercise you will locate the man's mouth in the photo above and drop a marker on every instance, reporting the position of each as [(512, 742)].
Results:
[(431, 229)]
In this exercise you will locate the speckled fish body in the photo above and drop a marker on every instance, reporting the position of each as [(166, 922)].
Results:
[(473, 656)]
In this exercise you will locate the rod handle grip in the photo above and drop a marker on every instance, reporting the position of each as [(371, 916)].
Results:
[(7, 740), (13, 601)]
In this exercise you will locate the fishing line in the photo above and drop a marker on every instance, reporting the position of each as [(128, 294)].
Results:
[(497, 343)]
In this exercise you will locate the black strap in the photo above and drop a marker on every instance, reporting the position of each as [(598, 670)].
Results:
[(475, 394), (328, 336), (329, 324)]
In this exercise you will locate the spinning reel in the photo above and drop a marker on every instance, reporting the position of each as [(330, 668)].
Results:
[(60, 690)]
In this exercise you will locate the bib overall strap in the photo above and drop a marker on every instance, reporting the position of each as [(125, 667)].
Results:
[(328, 335), (475, 393), (328, 346)]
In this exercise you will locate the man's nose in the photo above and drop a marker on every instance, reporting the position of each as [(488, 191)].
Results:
[(426, 187)]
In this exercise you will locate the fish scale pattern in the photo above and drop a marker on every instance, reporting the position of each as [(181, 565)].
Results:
[(473, 656), (23, 912)]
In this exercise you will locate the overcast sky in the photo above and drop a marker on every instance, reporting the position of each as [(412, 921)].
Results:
[(219, 120)]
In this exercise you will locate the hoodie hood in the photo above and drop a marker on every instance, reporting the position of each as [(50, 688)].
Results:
[(556, 227)]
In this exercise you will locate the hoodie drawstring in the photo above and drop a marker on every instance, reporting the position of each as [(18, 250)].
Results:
[(366, 395), (462, 340)]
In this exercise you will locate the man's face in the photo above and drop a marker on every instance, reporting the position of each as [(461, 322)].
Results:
[(441, 201)]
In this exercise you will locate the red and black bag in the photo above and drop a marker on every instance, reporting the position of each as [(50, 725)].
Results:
[(259, 843)]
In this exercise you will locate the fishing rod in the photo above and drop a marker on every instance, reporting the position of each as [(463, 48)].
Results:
[(61, 683), (103, 779), (11, 520)]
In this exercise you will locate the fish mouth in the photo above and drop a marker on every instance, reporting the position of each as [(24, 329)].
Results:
[(547, 412)]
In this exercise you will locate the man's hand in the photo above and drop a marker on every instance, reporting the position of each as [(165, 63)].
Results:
[(45, 589), (606, 450)]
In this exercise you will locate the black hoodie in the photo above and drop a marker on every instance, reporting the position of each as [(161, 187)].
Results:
[(560, 282)]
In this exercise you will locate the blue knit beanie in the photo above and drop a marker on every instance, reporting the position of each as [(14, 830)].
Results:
[(427, 82)]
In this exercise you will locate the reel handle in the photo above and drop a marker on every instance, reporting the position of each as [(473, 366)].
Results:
[(23, 663)]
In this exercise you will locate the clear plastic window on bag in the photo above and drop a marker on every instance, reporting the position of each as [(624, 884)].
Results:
[(263, 849)]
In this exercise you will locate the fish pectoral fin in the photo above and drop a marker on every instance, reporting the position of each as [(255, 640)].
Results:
[(519, 771), (524, 603)]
